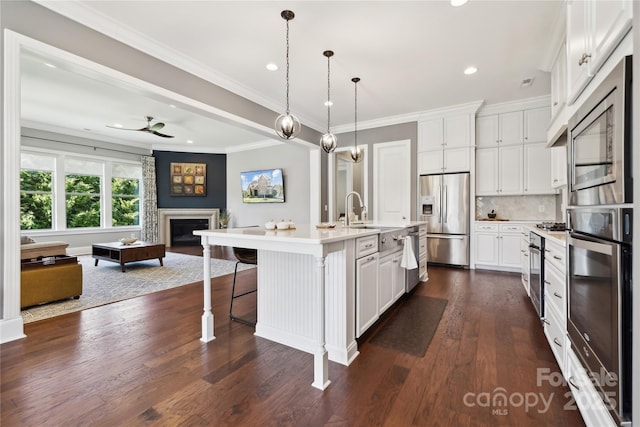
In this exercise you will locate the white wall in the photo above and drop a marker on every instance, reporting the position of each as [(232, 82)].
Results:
[(295, 162)]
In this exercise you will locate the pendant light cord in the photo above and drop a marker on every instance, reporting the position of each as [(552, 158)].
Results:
[(328, 94), (287, 72), (355, 119)]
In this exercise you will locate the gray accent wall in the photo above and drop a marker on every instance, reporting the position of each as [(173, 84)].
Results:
[(294, 161)]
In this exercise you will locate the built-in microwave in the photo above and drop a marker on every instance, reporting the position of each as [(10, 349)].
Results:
[(600, 143)]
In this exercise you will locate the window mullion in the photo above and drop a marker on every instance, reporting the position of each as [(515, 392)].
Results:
[(59, 205), (107, 204)]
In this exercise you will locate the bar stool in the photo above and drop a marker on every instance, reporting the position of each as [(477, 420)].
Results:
[(244, 256)]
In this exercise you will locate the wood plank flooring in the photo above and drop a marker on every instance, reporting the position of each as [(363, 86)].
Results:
[(140, 362)]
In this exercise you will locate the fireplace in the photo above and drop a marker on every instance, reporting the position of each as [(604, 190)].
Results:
[(167, 214), (182, 231)]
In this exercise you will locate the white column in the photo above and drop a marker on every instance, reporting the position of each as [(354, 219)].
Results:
[(207, 315), (320, 355)]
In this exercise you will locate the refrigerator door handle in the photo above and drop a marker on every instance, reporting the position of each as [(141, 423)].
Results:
[(447, 236), (444, 204)]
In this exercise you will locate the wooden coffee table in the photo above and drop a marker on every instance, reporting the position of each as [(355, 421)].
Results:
[(121, 253)]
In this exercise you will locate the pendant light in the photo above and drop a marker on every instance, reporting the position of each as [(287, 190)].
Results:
[(287, 125), (356, 152), (329, 142)]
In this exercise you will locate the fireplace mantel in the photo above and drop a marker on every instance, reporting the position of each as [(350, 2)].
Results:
[(166, 215)]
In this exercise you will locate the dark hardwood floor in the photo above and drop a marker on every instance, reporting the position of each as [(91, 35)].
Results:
[(140, 362)]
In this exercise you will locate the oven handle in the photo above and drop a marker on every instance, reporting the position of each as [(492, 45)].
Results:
[(590, 244)]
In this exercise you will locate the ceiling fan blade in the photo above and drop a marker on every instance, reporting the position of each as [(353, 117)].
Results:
[(157, 126), (119, 128), (160, 134)]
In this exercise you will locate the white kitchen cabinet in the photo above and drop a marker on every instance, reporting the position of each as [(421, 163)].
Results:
[(366, 292), (391, 280), (536, 122), (498, 246), (559, 81), (422, 253), (398, 277), (537, 169), (444, 132), (500, 129), (448, 160), (558, 166), (594, 29), (499, 171)]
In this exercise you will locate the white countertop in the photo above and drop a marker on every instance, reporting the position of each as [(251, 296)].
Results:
[(557, 236)]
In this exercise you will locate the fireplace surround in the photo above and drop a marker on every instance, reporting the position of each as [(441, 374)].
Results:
[(166, 215)]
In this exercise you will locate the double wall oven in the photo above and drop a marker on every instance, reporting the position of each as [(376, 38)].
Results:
[(599, 241)]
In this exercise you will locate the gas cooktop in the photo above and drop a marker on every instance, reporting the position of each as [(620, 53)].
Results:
[(552, 226)]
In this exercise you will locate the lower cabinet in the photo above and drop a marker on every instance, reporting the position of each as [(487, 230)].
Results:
[(498, 246), (366, 292), (391, 280), (422, 253), (524, 260)]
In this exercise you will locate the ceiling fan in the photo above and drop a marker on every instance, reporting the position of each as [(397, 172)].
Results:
[(149, 128)]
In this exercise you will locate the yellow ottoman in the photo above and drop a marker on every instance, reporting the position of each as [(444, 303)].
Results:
[(47, 283)]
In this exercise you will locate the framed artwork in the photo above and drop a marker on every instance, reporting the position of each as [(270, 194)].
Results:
[(188, 179)]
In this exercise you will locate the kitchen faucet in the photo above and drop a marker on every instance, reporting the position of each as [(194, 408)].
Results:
[(346, 206)]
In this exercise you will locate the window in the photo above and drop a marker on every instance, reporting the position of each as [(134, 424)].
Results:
[(63, 191), (125, 194), (82, 192), (36, 192)]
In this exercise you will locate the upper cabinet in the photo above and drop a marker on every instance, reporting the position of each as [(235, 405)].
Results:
[(559, 81), (445, 141), (500, 129), (536, 122), (594, 29)]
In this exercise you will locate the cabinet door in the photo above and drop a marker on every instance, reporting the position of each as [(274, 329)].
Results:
[(511, 128), (385, 283), (398, 276), (487, 248), (430, 162), (510, 169), (456, 160), (487, 171), (366, 292), (487, 131), (558, 167), (430, 135), (558, 81), (536, 122), (456, 131), (537, 169), (510, 250), (577, 48), (392, 181), (611, 21)]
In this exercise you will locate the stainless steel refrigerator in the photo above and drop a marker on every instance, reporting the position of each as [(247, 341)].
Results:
[(444, 204)]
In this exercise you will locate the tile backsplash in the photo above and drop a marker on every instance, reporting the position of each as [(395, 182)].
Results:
[(520, 208)]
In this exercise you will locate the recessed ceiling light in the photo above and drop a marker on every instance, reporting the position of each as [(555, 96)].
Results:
[(189, 141), (117, 125), (271, 66), (48, 64), (328, 103), (470, 70), (456, 3), (172, 106)]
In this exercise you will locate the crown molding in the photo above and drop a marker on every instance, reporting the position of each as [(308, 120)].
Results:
[(519, 104), (460, 109), (254, 146)]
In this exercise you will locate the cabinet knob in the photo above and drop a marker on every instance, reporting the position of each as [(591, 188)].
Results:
[(555, 103), (584, 59)]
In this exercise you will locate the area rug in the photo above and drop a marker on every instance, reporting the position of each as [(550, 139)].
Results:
[(412, 326), (106, 283)]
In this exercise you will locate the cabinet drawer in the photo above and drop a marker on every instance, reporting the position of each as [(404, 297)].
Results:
[(366, 245), (422, 247), (555, 290), (556, 336), (486, 227), (555, 254), (510, 228), (422, 231)]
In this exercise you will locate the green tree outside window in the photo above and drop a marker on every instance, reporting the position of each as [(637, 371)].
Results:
[(36, 200), (125, 202), (82, 201)]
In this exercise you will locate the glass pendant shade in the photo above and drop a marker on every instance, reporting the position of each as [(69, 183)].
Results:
[(356, 154), (329, 142), (287, 126)]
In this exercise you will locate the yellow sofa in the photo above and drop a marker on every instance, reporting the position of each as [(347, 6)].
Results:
[(49, 283)]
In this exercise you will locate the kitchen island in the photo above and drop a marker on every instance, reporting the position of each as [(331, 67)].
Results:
[(305, 288)]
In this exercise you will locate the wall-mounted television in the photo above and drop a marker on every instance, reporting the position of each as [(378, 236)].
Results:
[(262, 186)]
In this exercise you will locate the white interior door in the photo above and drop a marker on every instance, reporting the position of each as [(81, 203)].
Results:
[(392, 181)]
